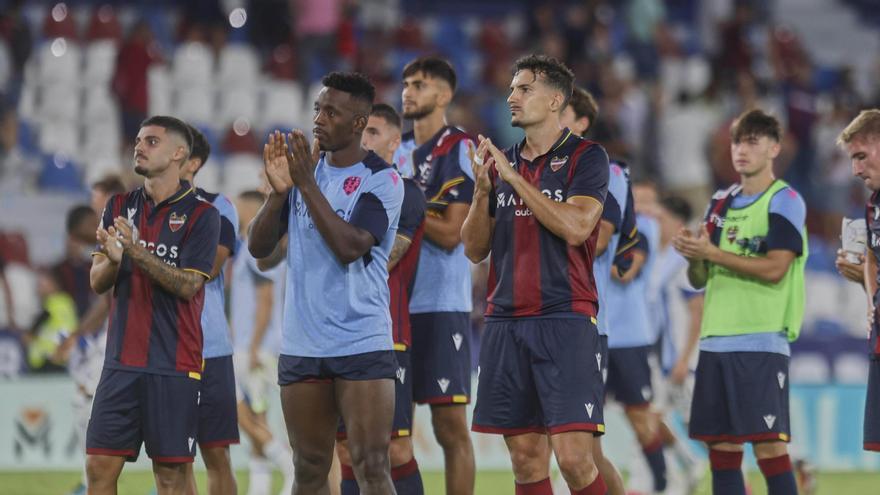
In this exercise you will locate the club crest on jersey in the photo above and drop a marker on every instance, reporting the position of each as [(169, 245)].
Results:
[(176, 222), (731, 233), (351, 184), (556, 163)]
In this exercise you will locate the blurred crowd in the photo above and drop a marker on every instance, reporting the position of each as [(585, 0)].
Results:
[(669, 76)]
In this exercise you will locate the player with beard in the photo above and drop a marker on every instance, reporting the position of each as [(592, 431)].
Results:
[(156, 248), (536, 211), (340, 205), (435, 154)]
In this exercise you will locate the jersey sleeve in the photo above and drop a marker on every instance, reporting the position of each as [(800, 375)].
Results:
[(379, 205), (106, 222), (590, 177), (412, 213), (455, 177), (228, 223), (788, 214), (199, 248)]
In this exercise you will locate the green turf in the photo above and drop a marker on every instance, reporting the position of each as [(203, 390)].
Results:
[(488, 483)]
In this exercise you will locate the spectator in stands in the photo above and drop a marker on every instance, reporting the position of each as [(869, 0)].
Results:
[(72, 272), (136, 56)]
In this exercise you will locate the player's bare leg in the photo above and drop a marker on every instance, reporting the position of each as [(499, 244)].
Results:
[(367, 408), (453, 435), (334, 479), (529, 456), (400, 452), (646, 425), (170, 477), (607, 470), (221, 479), (574, 455), (311, 416), (103, 473)]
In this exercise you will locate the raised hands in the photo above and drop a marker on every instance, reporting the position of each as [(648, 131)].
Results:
[(116, 239), (301, 159), (480, 165), (693, 247), (275, 163)]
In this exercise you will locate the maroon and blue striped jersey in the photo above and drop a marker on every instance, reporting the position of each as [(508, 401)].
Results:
[(533, 272), (152, 330), (872, 218), (401, 278)]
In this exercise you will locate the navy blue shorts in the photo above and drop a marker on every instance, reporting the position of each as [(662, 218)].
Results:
[(441, 357), (403, 404), (872, 408), (132, 407), (218, 411), (740, 397), (540, 376), (629, 376), (375, 365)]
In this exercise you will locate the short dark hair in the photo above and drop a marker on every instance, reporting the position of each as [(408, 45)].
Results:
[(584, 105), (432, 66), (77, 215), (387, 112), (252, 195), (353, 83), (755, 123), (110, 184), (678, 207), (556, 74), (173, 125), (201, 149)]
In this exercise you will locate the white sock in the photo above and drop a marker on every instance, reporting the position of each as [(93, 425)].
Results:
[(282, 458), (260, 476)]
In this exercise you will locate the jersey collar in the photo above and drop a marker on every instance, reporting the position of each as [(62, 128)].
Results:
[(183, 190), (566, 134)]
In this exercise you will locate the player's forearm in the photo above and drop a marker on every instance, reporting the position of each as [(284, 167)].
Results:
[(476, 231), (182, 283), (870, 277), (102, 275), (764, 268), (278, 254), (219, 260), (698, 273), (347, 242), (95, 316), (564, 220), (442, 231), (265, 229), (400, 247)]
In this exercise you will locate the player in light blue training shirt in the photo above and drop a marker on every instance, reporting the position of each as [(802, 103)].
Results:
[(340, 209)]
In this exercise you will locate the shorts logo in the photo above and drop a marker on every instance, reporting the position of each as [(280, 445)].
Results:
[(401, 375), (444, 384), (599, 360), (646, 392), (191, 441), (198, 397), (556, 163), (351, 184), (780, 377), (457, 339), (176, 222), (770, 420), (589, 409)]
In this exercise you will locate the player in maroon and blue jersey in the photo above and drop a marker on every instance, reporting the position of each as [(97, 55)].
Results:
[(536, 208), (382, 136), (156, 249)]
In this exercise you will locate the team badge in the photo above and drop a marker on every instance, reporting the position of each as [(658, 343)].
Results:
[(731, 233), (176, 222), (556, 163), (351, 184)]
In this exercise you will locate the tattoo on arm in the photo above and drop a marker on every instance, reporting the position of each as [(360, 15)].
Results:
[(181, 283), (400, 247)]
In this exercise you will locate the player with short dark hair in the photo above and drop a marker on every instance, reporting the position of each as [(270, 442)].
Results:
[(156, 247), (340, 206), (435, 154), (536, 209), (861, 141), (382, 136), (749, 255), (218, 420)]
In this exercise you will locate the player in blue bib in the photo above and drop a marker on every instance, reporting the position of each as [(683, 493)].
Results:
[(340, 206)]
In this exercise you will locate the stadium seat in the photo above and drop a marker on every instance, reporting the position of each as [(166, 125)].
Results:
[(99, 105), (104, 25), (98, 167), (242, 172), (809, 367), (57, 102), (59, 137), (14, 248), (99, 62), (210, 177), (58, 62), (59, 22), (283, 104), (159, 90), (59, 173), (195, 105), (237, 103), (101, 144), (238, 67), (193, 65), (851, 368)]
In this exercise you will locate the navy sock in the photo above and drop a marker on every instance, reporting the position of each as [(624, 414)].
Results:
[(727, 476), (408, 479), (779, 475), (349, 483), (657, 463)]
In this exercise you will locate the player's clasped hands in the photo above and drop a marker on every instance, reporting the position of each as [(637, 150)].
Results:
[(288, 160), (115, 239), (851, 271), (496, 158), (693, 247)]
